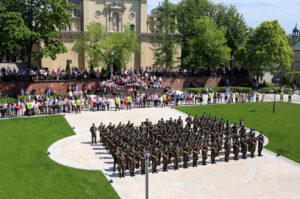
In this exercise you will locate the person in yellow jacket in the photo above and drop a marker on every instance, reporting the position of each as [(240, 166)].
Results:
[(209, 98), (28, 108), (290, 95), (257, 97), (281, 95), (164, 100), (129, 101), (78, 101), (117, 102), (237, 96)]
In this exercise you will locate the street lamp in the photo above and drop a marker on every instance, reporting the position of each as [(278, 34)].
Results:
[(146, 155), (112, 63), (276, 80)]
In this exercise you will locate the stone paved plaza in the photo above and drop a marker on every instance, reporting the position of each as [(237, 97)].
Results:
[(261, 177)]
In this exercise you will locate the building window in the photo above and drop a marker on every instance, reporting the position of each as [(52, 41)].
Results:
[(132, 27), (115, 22), (131, 16), (97, 14)]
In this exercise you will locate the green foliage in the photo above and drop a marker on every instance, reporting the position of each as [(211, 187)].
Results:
[(217, 89), (164, 41), (12, 31), (27, 172), (9, 99), (25, 98), (289, 77), (266, 50), (234, 24), (270, 84), (229, 21), (209, 45), (188, 11), (194, 90), (40, 21), (281, 128), (107, 49), (267, 90)]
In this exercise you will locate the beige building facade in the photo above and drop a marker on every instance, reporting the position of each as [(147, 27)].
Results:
[(113, 14), (296, 48)]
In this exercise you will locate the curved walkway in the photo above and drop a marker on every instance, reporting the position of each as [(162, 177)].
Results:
[(260, 177)]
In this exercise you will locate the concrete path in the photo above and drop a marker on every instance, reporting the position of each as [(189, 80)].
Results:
[(259, 177)]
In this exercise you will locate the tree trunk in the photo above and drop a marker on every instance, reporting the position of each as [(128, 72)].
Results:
[(29, 53), (231, 63)]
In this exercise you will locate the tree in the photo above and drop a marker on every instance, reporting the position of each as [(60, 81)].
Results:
[(12, 32), (188, 11), (107, 49), (236, 28), (164, 41), (209, 45), (43, 19), (267, 50)]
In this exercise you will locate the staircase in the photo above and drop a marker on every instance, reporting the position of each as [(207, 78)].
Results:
[(124, 91)]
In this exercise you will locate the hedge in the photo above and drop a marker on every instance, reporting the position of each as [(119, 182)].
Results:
[(216, 89), (271, 90), (9, 99), (20, 97)]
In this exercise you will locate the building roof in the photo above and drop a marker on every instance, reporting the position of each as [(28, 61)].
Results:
[(296, 29), (296, 46)]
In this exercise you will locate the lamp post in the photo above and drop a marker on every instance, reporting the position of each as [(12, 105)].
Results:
[(277, 79), (275, 90), (146, 155), (112, 64)]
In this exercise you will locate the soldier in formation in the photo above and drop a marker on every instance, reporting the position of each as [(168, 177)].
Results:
[(170, 142)]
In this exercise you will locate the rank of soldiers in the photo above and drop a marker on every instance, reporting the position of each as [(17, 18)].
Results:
[(172, 142)]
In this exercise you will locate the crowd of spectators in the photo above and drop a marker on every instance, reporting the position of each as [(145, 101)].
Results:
[(76, 101), (132, 82), (43, 74)]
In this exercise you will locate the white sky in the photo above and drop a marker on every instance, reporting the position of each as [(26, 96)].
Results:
[(256, 11)]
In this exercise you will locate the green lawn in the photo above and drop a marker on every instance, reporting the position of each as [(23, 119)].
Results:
[(26, 171), (282, 127)]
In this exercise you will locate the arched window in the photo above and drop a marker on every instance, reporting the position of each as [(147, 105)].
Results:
[(132, 27), (115, 22)]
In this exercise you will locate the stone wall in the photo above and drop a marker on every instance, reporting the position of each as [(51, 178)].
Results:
[(184, 82), (203, 81), (14, 88)]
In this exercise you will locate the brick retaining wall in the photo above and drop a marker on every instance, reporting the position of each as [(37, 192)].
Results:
[(13, 88)]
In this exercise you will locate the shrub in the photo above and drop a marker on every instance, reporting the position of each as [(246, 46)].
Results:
[(217, 89), (9, 99), (244, 89), (56, 95), (267, 90), (270, 84), (25, 97)]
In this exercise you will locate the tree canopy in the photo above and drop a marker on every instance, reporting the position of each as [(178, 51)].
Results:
[(209, 45), (12, 31), (267, 50), (164, 41), (227, 18), (107, 49), (40, 21)]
